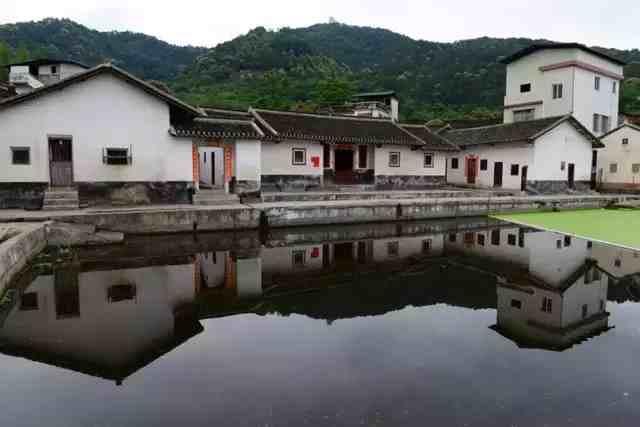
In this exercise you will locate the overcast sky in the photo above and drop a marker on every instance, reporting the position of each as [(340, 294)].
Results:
[(207, 23)]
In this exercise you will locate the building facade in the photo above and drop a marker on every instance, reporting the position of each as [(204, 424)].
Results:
[(619, 160)]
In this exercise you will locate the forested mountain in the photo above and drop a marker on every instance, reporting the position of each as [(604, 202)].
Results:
[(306, 68), (140, 54)]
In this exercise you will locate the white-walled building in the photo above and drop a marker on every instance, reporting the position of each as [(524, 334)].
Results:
[(619, 160), (29, 75), (557, 79), (544, 156)]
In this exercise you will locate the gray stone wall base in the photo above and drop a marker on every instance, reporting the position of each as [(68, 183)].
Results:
[(408, 182), (22, 195), (290, 182), (555, 187), (133, 193)]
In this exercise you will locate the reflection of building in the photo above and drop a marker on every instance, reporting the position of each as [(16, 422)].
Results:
[(551, 293), (623, 268), (104, 323)]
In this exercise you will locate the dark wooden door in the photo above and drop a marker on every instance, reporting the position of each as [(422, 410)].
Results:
[(472, 167), (61, 162), (571, 178), (213, 168), (497, 174), (523, 178)]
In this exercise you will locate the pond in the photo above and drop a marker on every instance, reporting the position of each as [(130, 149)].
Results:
[(472, 322)]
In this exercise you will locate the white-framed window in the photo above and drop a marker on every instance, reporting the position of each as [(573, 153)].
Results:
[(613, 168), (596, 83), (428, 160), (20, 155), (298, 156), (394, 159), (524, 115), (526, 87), (117, 156), (557, 91), (547, 305)]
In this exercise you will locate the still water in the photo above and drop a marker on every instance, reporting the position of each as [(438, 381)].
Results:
[(473, 323)]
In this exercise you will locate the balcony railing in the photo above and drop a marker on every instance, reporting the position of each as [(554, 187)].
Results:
[(24, 78)]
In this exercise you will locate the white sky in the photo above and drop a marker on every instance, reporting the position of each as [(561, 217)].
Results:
[(207, 23)]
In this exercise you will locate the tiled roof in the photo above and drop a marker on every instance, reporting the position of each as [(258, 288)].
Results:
[(431, 139), (206, 127), (279, 125), (48, 61), (526, 131), (219, 113)]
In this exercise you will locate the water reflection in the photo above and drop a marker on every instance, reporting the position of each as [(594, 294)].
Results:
[(112, 311)]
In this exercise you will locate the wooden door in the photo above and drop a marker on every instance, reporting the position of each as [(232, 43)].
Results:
[(523, 178), (212, 158), (472, 168), (60, 162), (497, 174), (571, 177)]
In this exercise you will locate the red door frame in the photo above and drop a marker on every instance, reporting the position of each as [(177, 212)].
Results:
[(471, 169)]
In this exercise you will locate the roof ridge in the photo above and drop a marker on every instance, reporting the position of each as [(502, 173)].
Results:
[(507, 124), (324, 116)]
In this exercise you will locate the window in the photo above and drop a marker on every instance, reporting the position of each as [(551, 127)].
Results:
[(635, 168), (452, 237), (29, 301), (613, 168), (601, 305), (20, 155), (521, 238), (511, 239), (596, 123), (54, 69), (484, 164), (617, 262), (428, 160), (116, 156), (362, 156), (614, 87), (495, 237), (567, 241), (299, 156), (299, 258), (547, 305), (606, 124), (524, 115), (481, 239), (559, 244), (596, 83), (585, 311), (524, 88), (516, 304), (557, 91), (589, 244), (625, 141), (326, 156), (125, 292), (454, 163), (426, 246), (393, 248), (515, 170), (394, 159)]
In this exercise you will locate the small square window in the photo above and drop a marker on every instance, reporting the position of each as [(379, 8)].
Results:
[(428, 160), (567, 241), (557, 91), (559, 244), (116, 156), (484, 164), (589, 244), (29, 301), (625, 141), (452, 237), (124, 292), (454, 163), (524, 88), (20, 155), (515, 170), (481, 239), (617, 263), (547, 305), (512, 239), (54, 69), (635, 168), (613, 168), (393, 248), (516, 304), (596, 83), (299, 258), (299, 156), (394, 159), (524, 115), (426, 246)]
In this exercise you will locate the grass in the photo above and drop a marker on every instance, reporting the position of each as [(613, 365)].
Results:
[(620, 227)]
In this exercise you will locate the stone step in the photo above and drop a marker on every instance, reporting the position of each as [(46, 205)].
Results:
[(61, 195), (56, 202), (60, 207), (214, 197), (370, 195)]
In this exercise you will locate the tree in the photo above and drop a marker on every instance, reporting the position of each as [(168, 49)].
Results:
[(5, 58), (333, 91)]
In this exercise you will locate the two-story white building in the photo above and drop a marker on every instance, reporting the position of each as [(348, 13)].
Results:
[(619, 160), (29, 75)]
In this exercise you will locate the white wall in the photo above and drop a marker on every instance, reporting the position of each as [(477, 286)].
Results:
[(411, 162), (589, 101), (247, 160), (563, 143), (623, 155), (277, 159), (101, 112), (508, 154), (407, 246)]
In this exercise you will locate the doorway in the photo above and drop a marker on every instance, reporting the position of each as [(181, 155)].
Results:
[(60, 162), (344, 166), (571, 177), (211, 167), (472, 169), (523, 178), (497, 174)]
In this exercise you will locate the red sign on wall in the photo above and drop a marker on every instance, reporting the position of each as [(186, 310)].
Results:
[(315, 161), (228, 163)]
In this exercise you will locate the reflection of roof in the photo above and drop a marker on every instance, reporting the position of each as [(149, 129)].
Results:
[(185, 328), (546, 46), (517, 132)]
